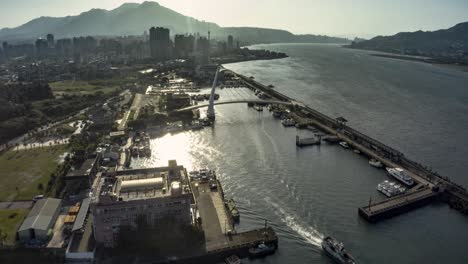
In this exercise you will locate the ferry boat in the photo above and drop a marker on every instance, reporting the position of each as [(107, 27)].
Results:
[(288, 122), (344, 144), (375, 163), (336, 251), (261, 250), (390, 189), (401, 175)]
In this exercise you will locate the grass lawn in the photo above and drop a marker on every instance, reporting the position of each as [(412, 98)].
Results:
[(22, 171), (83, 87), (10, 221)]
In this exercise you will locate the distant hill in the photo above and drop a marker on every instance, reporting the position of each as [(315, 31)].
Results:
[(134, 19), (452, 42)]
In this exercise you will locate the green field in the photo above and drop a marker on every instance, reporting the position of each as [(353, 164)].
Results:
[(22, 171), (84, 87), (10, 220)]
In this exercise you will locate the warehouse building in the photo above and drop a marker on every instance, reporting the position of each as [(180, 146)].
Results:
[(40, 221)]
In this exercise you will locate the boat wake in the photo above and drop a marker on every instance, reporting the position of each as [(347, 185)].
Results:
[(308, 233)]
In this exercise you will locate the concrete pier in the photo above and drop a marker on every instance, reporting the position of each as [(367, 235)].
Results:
[(397, 205), (452, 193), (221, 238)]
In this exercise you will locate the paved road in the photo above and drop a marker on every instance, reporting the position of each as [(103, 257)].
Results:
[(16, 205)]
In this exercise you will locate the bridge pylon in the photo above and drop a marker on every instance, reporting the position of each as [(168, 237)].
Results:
[(210, 114)]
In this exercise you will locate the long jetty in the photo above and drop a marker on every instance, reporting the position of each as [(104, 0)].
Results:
[(429, 184)]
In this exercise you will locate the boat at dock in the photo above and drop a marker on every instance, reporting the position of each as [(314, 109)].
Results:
[(375, 163), (259, 108), (232, 207), (336, 251), (401, 175), (277, 114), (261, 250), (344, 144), (331, 139), (390, 189), (288, 122), (300, 142), (234, 259)]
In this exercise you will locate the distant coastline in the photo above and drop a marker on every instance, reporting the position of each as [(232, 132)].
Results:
[(424, 60), (429, 60)]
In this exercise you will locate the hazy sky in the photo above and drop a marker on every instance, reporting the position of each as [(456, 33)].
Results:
[(333, 17)]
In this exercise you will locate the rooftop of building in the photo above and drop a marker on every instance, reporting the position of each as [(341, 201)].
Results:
[(84, 170), (143, 184), (41, 215)]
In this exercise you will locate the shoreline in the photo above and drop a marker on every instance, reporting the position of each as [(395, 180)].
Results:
[(422, 59), (427, 60)]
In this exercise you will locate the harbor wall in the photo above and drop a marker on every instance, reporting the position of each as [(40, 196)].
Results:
[(454, 194)]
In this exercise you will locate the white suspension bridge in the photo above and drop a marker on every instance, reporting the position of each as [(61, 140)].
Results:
[(211, 112)]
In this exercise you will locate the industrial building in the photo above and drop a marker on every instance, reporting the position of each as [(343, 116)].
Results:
[(155, 193), (41, 219), (83, 177)]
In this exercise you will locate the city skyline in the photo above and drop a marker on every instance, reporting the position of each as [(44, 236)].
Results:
[(362, 18)]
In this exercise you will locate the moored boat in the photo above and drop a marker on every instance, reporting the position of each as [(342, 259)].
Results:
[(401, 175), (261, 250), (288, 122), (259, 108), (390, 189), (277, 114), (375, 163), (344, 144)]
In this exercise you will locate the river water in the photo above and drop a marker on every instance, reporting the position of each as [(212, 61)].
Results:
[(306, 193)]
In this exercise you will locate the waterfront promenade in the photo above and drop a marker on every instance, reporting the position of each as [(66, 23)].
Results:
[(434, 185)]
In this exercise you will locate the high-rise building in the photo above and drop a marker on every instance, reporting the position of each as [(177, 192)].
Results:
[(41, 47), (183, 45), (160, 43), (203, 50), (50, 40), (5, 49), (64, 47), (2, 56), (230, 43)]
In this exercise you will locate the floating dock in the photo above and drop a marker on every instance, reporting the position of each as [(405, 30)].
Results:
[(302, 142), (397, 205)]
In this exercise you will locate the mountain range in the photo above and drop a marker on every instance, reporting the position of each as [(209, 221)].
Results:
[(452, 42), (134, 19)]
